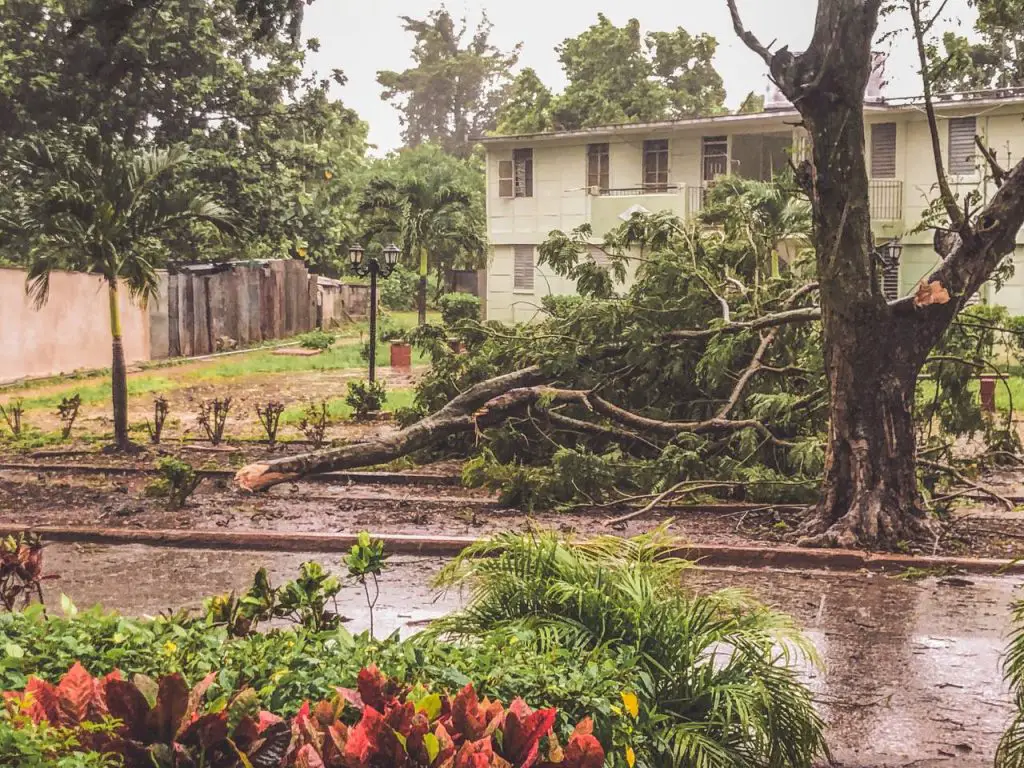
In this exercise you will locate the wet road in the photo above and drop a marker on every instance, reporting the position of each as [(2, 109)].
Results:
[(912, 668)]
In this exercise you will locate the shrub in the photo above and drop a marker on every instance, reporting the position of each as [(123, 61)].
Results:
[(367, 559), (317, 339), (269, 415), (315, 421), (390, 725), (712, 673), (457, 308), (12, 414), (160, 410), (213, 415), (398, 292), (67, 412), (366, 397), (177, 481)]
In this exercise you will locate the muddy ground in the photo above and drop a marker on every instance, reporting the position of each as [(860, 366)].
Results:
[(911, 669), (980, 529)]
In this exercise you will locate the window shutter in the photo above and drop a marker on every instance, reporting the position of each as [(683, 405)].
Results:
[(506, 186), (522, 159), (597, 166), (891, 283), (883, 151), (522, 275), (961, 145)]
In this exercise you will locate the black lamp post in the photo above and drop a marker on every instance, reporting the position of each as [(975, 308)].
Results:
[(889, 253), (373, 267)]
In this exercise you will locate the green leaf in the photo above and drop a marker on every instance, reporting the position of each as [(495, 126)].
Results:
[(432, 745), (14, 651), (67, 606)]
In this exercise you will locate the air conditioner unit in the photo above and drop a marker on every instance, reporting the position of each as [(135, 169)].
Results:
[(595, 191)]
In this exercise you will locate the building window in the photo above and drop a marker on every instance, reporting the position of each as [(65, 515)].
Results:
[(715, 157), (515, 176), (656, 165), (522, 273), (883, 151), (597, 166), (961, 145)]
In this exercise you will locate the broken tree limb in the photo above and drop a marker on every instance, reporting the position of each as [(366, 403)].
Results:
[(958, 475), (801, 315), (462, 414)]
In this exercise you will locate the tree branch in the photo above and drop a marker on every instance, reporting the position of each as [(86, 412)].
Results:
[(956, 217), (801, 315), (998, 173), (749, 38)]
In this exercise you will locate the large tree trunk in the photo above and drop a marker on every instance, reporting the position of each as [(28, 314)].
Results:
[(118, 374)]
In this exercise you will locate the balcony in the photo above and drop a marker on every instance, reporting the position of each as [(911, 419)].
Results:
[(885, 197)]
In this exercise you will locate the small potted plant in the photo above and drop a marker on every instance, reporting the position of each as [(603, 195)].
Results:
[(401, 349)]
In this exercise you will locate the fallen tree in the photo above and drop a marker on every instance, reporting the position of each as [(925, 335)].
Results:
[(705, 377)]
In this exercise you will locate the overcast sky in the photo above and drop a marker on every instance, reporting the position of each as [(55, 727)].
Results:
[(362, 38)]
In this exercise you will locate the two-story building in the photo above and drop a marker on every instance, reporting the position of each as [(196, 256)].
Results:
[(541, 182)]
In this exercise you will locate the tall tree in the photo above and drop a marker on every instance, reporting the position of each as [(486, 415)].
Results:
[(190, 71), (995, 60), (433, 202), (453, 91), (874, 349), (527, 105), (753, 102), (106, 211), (617, 75)]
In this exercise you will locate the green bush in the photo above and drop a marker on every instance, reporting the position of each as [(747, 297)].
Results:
[(366, 397), (457, 308), (177, 481), (398, 292), (24, 744), (317, 339)]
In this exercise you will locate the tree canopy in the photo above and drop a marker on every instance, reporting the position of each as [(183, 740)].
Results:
[(994, 60), (617, 75), (452, 92)]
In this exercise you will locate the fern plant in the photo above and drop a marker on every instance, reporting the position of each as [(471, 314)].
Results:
[(715, 676), (1010, 753)]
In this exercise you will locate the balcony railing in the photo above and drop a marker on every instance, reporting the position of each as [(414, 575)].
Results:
[(886, 199), (643, 189)]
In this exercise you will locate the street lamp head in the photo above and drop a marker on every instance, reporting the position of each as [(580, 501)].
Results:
[(391, 254), (355, 254), (893, 250)]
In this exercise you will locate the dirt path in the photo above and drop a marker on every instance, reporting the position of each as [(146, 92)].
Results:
[(911, 668)]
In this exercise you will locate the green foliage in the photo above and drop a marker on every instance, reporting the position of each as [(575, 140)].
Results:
[(318, 339), (459, 308), (13, 413), (67, 412), (452, 91), (398, 292), (1010, 753), (992, 59), (177, 481), (367, 558), (29, 745), (622, 600), (617, 75), (366, 397)]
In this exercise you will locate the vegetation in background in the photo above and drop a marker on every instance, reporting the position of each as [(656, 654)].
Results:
[(314, 422), (317, 339), (456, 84), (619, 75), (12, 413)]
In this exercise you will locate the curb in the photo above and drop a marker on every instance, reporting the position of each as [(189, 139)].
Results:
[(378, 478), (449, 546)]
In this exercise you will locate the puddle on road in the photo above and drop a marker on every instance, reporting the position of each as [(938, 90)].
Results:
[(911, 669)]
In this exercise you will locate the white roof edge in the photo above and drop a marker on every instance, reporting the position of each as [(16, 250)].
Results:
[(911, 104)]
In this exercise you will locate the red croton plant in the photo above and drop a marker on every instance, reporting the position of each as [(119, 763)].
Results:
[(389, 725)]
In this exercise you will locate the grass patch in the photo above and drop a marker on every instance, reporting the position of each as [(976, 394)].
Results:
[(336, 358), (100, 392), (1012, 387), (339, 410)]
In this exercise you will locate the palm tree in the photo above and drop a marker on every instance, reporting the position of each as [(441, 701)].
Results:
[(429, 211), (106, 211)]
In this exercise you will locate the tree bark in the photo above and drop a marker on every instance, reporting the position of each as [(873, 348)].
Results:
[(118, 374), (422, 299), (483, 404)]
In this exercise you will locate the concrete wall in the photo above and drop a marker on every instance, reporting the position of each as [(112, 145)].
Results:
[(70, 332), (339, 303)]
